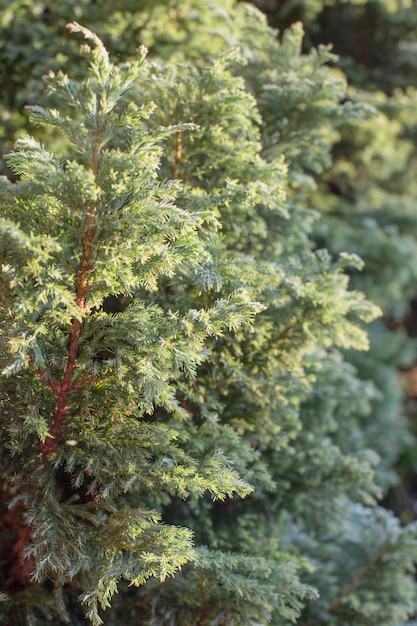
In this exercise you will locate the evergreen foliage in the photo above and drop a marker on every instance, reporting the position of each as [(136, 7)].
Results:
[(189, 416)]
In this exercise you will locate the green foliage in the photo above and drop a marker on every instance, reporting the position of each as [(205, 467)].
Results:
[(231, 589), (182, 309), (120, 232), (356, 560)]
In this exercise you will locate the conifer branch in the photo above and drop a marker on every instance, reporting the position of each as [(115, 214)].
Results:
[(352, 586), (356, 581), (282, 137), (177, 155), (283, 335), (62, 390), (53, 384), (287, 332)]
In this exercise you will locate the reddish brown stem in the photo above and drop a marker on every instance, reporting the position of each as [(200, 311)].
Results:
[(49, 381), (63, 389), (18, 568), (49, 446)]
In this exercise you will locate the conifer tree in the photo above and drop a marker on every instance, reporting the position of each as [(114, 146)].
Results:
[(83, 384), (179, 414)]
